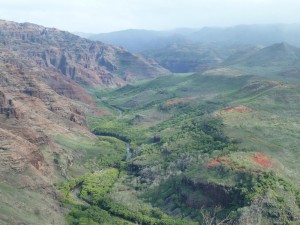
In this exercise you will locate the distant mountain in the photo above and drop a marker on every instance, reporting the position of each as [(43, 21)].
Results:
[(141, 40), (181, 58), (241, 54), (200, 57), (279, 55), (190, 50), (250, 34)]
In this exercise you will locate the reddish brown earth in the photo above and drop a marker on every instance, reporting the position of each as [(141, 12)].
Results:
[(43, 72), (176, 101), (79, 60), (259, 158), (262, 160), (218, 161), (239, 109)]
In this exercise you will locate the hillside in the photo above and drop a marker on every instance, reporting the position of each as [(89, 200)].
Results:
[(214, 133), (93, 134), (279, 54), (43, 105), (31, 115), (200, 57), (191, 57), (83, 61), (219, 142)]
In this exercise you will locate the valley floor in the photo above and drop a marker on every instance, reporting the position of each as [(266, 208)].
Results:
[(205, 150)]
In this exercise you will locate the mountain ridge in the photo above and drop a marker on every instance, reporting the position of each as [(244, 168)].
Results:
[(86, 62), (260, 34), (278, 54)]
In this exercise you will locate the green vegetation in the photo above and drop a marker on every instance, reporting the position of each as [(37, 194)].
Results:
[(205, 147), (95, 187), (94, 155), (112, 126), (31, 207), (102, 208)]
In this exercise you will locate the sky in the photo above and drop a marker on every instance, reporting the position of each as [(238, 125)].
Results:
[(100, 16)]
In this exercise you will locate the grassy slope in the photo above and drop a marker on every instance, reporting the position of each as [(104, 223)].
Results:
[(174, 108), (36, 214), (272, 126)]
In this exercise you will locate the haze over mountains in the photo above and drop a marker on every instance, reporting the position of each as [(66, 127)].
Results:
[(141, 40), (93, 133), (188, 50)]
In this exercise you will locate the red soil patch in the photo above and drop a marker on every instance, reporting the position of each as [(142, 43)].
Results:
[(218, 161), (175, 101), (262, 160), (239, 109)]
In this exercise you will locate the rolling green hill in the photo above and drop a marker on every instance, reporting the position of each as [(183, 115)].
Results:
[(209, 147)]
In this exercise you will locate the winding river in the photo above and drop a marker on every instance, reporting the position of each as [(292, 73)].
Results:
[(76, 191), (129, 153)]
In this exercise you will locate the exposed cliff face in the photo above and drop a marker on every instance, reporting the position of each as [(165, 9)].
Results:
[(83, 61), (31, 113), (43, 73), (217, 195), (7, 107)]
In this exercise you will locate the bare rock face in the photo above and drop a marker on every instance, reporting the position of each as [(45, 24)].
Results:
[(19, 158), (76, 59), (7, 107), (32, 113)]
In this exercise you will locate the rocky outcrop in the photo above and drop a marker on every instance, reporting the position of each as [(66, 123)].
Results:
[(7, 107), (17, 154), (80, 60), (32, 113), (216, 194)]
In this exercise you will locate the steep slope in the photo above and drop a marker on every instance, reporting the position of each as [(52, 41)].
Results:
[(191, 57), (83, 61), (43, 108), (241, 54), (280, 54), (31, 115)]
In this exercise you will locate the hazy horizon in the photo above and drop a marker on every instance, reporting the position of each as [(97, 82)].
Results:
[(92, 16)]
